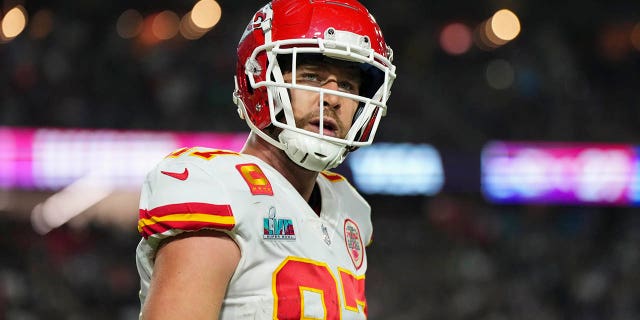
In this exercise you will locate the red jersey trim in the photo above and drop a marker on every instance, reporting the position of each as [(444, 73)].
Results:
[(333, 177), (189, 216)]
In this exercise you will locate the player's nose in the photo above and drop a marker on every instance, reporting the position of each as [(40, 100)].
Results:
[(331, 100)]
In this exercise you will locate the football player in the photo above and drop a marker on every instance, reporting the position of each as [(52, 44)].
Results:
[(268, 232)]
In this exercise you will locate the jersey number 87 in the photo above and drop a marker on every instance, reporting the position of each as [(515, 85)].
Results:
[(295, 276)]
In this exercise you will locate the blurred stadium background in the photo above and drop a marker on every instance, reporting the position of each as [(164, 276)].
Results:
[(504, 181)]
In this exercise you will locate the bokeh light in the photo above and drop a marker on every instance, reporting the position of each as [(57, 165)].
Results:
[(500, 74), (13, 23), (491, 36), (129, 24), (614, 41), (502, 27), (481, 38), (189, 30), (41, 24), (206, 14), (455, 38), (165, 25), (635, 36), (505, 25)]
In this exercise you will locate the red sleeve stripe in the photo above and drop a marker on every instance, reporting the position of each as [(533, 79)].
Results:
[(191, 216), (188, 207)]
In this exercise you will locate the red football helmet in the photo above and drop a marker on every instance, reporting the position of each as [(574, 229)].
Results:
[(336, 29)]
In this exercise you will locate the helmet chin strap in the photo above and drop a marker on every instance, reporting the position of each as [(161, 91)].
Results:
[(311, 153)]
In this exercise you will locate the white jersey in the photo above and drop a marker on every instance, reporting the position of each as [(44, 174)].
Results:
[(294, 263)]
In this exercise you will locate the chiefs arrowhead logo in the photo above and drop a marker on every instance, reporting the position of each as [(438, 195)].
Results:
[(178, 175), (354, 242)]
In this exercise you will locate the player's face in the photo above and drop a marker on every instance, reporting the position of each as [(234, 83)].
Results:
[(338, 111)]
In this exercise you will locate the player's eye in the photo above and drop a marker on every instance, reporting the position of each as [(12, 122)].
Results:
[(348, 86), (309, 78)]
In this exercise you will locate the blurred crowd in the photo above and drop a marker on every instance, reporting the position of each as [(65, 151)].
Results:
[(574, 69), (70, 273), (446, 257), (462, 259)]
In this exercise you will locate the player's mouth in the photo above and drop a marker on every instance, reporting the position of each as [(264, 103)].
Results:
[(329, 127)]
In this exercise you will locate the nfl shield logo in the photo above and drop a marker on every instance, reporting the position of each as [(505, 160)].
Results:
[(354, 242)]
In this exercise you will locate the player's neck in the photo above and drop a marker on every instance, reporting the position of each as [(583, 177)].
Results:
[(303, 180)]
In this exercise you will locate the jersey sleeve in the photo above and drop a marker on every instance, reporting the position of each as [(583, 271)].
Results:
[(180, 195)]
